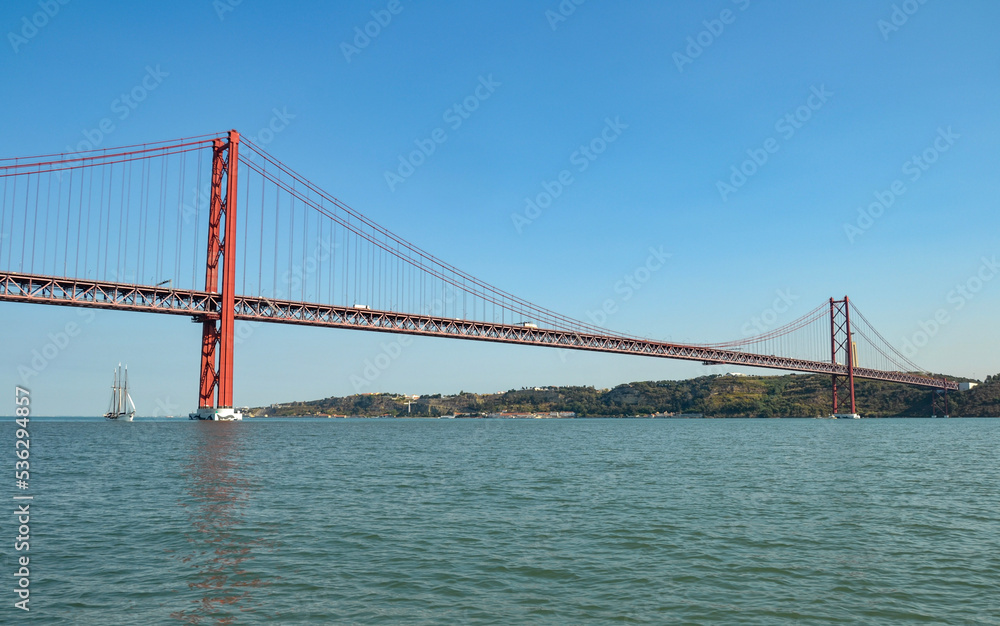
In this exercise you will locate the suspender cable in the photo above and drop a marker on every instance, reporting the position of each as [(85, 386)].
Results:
[(102, 243), (45, 230), (298, 271), (69, 208), (122, 236), (85, 233), (55, 247), (242, 252), (160, 243), (178, 233), (3, 219), (260, 244), (194, 231), (34, 222), (291, 230), (274, 265), (143, 195)]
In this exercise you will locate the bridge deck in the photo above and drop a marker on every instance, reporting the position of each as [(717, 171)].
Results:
[(203, 305)]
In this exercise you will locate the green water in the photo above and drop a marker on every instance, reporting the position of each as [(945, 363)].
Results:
[(507, 521)]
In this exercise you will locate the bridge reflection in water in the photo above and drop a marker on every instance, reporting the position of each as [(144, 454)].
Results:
[(221, 547)]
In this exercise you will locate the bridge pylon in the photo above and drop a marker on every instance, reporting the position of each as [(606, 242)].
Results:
[(843, 351), (935, 394), (215, 390)]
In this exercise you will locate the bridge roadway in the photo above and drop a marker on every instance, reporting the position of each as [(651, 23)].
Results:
[(204, 305)]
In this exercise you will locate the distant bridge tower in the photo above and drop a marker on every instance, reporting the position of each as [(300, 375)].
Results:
[(935, 394), (215, 397), (842, 352)]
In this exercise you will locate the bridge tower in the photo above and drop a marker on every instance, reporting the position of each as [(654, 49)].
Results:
[(843, 351), (935, 394), (215, 391)]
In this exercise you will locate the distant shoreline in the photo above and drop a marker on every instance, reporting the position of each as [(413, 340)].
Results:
[(705, 397)]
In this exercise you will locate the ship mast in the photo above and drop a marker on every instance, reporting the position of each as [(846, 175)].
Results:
[(119, 390), (114, 394), (127, 399)]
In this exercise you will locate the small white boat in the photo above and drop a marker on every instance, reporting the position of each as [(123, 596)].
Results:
[(121, 407)]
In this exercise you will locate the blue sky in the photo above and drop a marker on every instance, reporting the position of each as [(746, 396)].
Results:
[(691, 90)]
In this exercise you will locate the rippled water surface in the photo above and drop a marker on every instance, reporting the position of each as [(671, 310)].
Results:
[(513, 521)]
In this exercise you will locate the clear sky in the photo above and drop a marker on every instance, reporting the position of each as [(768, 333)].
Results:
[(826, 108)]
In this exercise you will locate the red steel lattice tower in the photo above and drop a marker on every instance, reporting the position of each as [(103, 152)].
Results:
[(216, 386), (842, 347)]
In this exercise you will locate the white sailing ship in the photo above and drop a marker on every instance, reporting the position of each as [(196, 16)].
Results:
[(121, 407)]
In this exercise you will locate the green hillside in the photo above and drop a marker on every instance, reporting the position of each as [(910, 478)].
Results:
[(712, 396)]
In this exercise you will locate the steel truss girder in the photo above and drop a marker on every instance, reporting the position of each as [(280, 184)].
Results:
[(202, 305), (104, 295)]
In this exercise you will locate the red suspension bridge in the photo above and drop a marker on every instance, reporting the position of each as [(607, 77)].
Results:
[(155, 228)]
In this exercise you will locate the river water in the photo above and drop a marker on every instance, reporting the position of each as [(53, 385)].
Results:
[(511, 521)]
